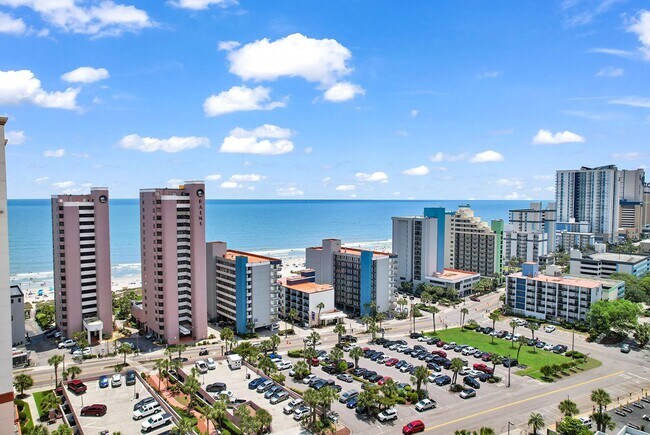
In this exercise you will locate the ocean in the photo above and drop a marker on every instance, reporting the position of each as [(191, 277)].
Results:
[(252, 225)]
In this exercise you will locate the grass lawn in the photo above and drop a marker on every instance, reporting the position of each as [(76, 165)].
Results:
[(27, 423), (38, 398), (529, 356)]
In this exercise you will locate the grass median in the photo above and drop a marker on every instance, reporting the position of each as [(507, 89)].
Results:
[(529, 356)]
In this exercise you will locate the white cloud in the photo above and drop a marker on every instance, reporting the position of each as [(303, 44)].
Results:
[(381, 177), (15, 137), (58, 153), (247, 177), (610, 71), (440, 168), (486, 156), (417, 171), (326, 180), (343, 91), (641, 28), (63, 184), (517, 183), (546, 137), (175, 182), (614, 52), (173, 144), (239, 99), (18, 87), (414, 113), (228, 45), (442, 157), (353, 195), (309, 150), (231, 185), (289, 191), (267, 139), (517, 196), (41, 180), (9, 24), (105, 18), (197, 5), (85, 74), (633, 101), (489, 75), (345, 187), (213, 177)]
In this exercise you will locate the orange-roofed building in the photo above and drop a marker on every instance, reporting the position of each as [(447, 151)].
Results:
[(303, 294)]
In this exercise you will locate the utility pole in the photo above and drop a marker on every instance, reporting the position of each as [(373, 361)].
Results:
[(573, 338), (509, 366)]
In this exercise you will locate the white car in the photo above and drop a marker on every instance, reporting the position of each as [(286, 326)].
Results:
[(432, 378), (401, 348), (425, 404), (227, 395), (464, 371), (586, 421), (423, 338), (116, 380), (67, 344), (549, 328), (308, 378), (201, 366), (300, 413), (284, 365), (292, 406), (405, 368), (474, 373), (468, 350), (383, 359), (516, 337), (211, 364), (387, 415), (549, 347)]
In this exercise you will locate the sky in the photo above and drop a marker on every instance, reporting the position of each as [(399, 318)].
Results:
[(327, 100)]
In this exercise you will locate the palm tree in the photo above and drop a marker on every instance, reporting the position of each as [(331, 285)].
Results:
[(484, 431), (170, 350), (356, 353), (310, 353), (320, 307), (603, 421), (365, 321), (568, 408), (380, 317), (39, 429), (190, 387), (293, 315), (23, 382), (513, 325), (313, 338), (227, 335), (275, 341), (373, 329), (434, 310), (125, 349), (54, 361), (426, 297), (494, 316), (312, 399), (160, 365), (264, 418), (601, 398), (420, 375), (463, 312), (402, 303), (336, 355), (339, 329), (49, 402), (185, 426), (456, 366), (267, 365), (533, 326), (536, 422), (521, 341), (74, 371), (62, 430), (180, 348), (327, 396), (494, 359), (217, 412)]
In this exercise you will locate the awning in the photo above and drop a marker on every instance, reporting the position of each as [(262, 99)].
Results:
[(333, 315), (183, 330)]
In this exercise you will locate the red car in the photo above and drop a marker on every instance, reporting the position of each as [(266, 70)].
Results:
[(382, 381), (315, 362), (413, 427), (391, 362), (97, 410), (486, 356), (440, 343), (474, 298), (77, 387), (483, 367), (442, 353)]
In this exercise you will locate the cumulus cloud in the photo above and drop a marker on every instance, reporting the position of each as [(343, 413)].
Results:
[(105, 18), (11, 25), (22, 87), (173, 144), (632, 100), (15, 137), (267, 139), (417, 171), (442, 157), (343, 91), (85, 74), (546, 137), (247, 177), (231, 185), (58, 153), (213, 177), (197, 5), (380, 177), (486, 156), (345, 187), (239, 99), (228, 45), (289, 191), (610, 71), (641, 28)]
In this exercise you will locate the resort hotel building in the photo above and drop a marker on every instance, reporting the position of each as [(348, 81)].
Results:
[(314, 303), (360, 278), (530, 233), (242, 288), (172, 236), (551, 296), (82, 264), (602, 264)]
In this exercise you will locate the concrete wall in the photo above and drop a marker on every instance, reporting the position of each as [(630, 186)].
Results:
[(261, 286), (18, 320)]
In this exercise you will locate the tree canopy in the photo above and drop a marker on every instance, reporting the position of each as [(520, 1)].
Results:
[(619, 315)]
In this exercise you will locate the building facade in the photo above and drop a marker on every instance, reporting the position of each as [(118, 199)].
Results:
[(172, 237), (568, 240), (6, 386), (530, 233), (301, 293), (360, 278), (602, 264), (554, 297), (459, 280), (242, 287), (17, 316), (474, 245), (82, 264)]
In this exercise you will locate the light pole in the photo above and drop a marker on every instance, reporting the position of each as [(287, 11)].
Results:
[(509, 366), (509, 424), (573, 338)]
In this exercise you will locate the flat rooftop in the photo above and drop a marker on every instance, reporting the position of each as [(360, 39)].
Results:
[(613, 256), (454, 275), (355, 251), (305, 287), (564, 280), (252, 258)]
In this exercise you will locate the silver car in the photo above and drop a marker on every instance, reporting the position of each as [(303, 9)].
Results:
[(278, 397)]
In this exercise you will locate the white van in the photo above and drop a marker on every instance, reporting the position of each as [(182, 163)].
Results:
[(234, 362), (146, 410)]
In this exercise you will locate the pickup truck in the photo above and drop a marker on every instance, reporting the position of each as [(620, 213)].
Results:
[(156, 421)]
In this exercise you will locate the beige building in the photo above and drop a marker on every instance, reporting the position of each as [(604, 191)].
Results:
[(301, 293)]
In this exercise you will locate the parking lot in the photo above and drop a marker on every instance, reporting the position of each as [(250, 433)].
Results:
[(237, 383), (119, 401)]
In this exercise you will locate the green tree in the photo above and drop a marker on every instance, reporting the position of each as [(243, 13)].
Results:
[(327, 396), (456, 366), (513, 325), (184, 427), (536, 422), (356, 353), (619, 315), (547, 372), (310, 353), (54, 361), (373, 329), (267, 365), (494, 316), (336, 355), (190, 387), (420, 375), (312, 399), (49, 402), (339, 330), (62, 430), (642, 334), (23, 382), (380, 318), (572, 426), (603, 421), (39, 429), (247, 425), (264, 418), (533, 326), (74, 371), (463, 312), (521, 341), (369, 398), (495, 359), (161, 365), (275, 342), (601, 398), (300, 370), (169, 351), (434, 310), (293, 315), (226, 336), (313, 339), (125, 350), (320, 307), (568, 408), (218, 413)]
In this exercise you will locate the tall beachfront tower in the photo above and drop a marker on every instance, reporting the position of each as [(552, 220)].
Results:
[(82, 263), (530, 233), (172, 237), (6, 387)]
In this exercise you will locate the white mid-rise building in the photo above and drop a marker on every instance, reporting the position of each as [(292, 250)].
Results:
[(530, 233), (314, 303), (602, 264)]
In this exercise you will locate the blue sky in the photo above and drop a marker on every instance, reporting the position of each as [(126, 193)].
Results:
[(337, 99)]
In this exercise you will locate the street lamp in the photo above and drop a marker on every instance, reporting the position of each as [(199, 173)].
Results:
[(509, 424)]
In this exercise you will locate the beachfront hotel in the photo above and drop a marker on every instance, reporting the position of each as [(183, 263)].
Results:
[(82, 264), (242, 288), (6, 386), (360, 277), (530, 233), (301, 293), (172, 237)]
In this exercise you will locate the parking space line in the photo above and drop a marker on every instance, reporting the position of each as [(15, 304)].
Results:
[(637, 376)]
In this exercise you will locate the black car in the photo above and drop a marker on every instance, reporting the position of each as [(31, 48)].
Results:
[(375, 378), (483, 376), (487, 330), (130, 377), (369, 374), (400, 364), (415, 335), (367, 353), (531, 342), (216, 387), (428, 358), (433, 340), (329, 369), (416, 353), (388, 344), (443, 380), (446, 363), (479, 329), (468, 380), (407, 351), (510, 362), (203, 351), (380, 340), (433, 366), (560, 348), (359, 371), (423, 355), (419, 347), (336, 387), (377, 355)]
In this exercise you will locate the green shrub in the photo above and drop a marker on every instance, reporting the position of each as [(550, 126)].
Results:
[(400, 400), (413, 397), (456, 388), (296, 353)]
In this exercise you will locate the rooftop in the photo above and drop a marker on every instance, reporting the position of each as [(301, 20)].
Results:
[(454, 275), (305, 287), (355, 251), (621, 258), (252, 258), (16, 291), (564, 280)]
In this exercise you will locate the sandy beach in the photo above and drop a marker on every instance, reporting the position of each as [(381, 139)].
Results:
[(39, 287)]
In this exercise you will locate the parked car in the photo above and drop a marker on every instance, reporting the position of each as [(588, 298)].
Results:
[(468, 380), (560, 348), (252, 385), (549, 328), (97, 410), (387, 415), (130, 377), (67, 344), (625, 348), (348, 395), (510, 362), (307, 379), (146, 410), (483, 367), (77, 387), (156, 421), (586, 421), (216, 387), (264, 386), (292, 405), (103, 381), (116, 380), (425, 404), (345, 377), (300, 413), (201, 366), (413, 427), (443, 380), (466, 394), (211, 364), (143, 402), (278, 397), (284, 365)]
